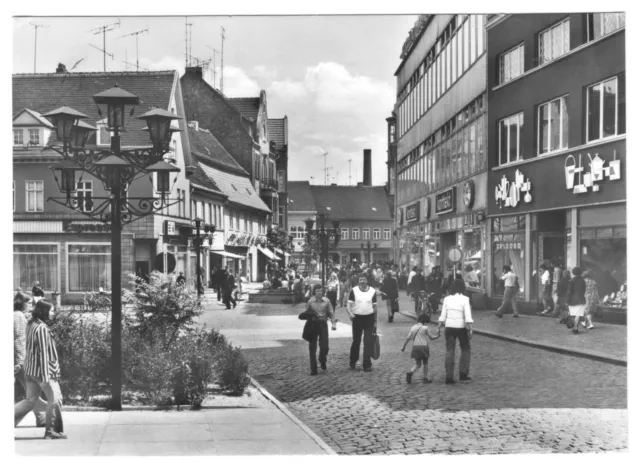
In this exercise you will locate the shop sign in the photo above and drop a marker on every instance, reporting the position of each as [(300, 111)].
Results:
[(469, 193), (509, 194), (455, 254), (170, 227), (413, 212), (508, 246), (588, 179), (445, 202)]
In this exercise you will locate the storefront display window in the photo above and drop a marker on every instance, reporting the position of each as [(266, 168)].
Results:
[(603, 251), (33, 263), (89, 268), (472, 257), (508, 249)]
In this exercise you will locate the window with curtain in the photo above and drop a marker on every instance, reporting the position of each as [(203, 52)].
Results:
[(365, 234), (510, 138), (602, 109), (34, 196), (376, 234), (89, 267), (553, 42), (508, 250), (84, 189), (34, 136), (31, 263), (18, 137), (511, 64), (553, 126), (599, 24), (387, 234), (355, 234)]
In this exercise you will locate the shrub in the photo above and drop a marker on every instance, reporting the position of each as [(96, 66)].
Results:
[(232, 369)]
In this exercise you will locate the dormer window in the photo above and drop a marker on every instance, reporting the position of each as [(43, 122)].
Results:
[(103, 136), (34, 136), (18, 138)]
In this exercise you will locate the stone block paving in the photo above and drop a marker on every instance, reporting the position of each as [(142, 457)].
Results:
[(521, 399)]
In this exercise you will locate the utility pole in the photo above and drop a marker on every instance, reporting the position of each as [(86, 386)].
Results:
[(214, 65), (136, 34), (35, 43), (222, 31), (104, 29)]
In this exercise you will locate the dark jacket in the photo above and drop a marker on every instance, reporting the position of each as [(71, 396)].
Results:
[(563, 286), (434, 284), (576, 291), (37, 291), (418, 283), (390, 287)]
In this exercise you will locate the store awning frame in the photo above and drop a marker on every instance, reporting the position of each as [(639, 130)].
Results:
[(227, 254), (269, 254)]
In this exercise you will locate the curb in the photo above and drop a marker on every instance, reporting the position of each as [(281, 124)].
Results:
[(548, 347), (290, 415)]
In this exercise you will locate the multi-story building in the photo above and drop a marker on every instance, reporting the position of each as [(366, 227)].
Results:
[(279, 142), (232, 203), (440, 145), (363, 211), (67, 252), (557, 146)]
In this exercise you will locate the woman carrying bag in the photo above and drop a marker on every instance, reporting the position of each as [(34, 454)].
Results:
[(456, 319)]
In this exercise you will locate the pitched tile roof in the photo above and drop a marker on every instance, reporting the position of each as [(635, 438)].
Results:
[(300, 197), (36, 115), (248, 107), (200, 178), (352, 202), (207, 149), (276, 132), (237, 187), (45, 92)]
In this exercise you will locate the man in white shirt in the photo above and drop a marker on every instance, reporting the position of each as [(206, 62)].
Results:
[(456, 319), (547, 288), (510, 291), (413, 272), (363, 311)]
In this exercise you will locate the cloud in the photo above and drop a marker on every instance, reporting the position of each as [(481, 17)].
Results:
[(238, 84), (166, 63), (265, 72), (288, 90)]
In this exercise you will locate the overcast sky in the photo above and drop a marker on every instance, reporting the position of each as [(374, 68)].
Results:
[(331, 75)]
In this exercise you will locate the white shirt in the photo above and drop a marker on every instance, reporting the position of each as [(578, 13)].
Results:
[(362, 302), (456, 311), (509, 279), (411, 274), (545, 277)]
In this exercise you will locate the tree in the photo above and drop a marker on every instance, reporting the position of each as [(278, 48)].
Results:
[(277, 237), (311, 249)]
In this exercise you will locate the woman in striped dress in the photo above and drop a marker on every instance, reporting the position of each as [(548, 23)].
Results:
[(42, 371)]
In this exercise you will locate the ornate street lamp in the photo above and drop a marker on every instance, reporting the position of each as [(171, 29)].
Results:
[(198, 241), (323, 234), (116, 169), (368, 245)]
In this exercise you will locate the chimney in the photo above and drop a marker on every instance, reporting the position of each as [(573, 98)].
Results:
[(61, 68), (197, 71), (366, 168)]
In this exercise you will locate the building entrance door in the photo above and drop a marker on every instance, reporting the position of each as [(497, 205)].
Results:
[(447, 241), (551, 249)]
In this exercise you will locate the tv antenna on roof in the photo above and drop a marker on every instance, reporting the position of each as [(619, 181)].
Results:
[(35, 42), (350, 172), (187, 41), (214, 65), (136, 34), (326, 168), (104, 29), (222, 31)]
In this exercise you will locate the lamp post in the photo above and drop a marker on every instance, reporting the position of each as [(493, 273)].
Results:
[(323, 234), (368, 245), (198, 240), (116, 169)]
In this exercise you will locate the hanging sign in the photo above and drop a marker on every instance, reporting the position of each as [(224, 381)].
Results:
[(445, 202), (413, 212), (509, 194), (587, 179)]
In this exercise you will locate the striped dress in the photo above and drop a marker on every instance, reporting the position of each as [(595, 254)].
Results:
[(41, 360)]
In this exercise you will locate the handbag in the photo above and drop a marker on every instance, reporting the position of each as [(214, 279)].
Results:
[(375, 355), (395, 306)]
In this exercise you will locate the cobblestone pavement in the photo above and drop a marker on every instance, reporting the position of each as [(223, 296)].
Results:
[(521, 399)]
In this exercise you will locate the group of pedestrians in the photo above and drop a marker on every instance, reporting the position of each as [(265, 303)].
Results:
[(225, 285), (36, 366)]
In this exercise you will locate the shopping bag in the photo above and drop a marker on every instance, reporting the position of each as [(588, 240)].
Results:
[(395, 306), (375, 355)]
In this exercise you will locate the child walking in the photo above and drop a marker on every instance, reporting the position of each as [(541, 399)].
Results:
[(420, 350)]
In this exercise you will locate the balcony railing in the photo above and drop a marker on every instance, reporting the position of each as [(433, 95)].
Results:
[(269, 183)]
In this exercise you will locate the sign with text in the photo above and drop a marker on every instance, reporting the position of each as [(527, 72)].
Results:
[(446, 201), (413, 212)]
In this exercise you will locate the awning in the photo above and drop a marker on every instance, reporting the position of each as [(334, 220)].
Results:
[(268, 253), (227, 254)]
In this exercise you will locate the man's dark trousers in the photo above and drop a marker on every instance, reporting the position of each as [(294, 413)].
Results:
[(321, 336), (362, 324)]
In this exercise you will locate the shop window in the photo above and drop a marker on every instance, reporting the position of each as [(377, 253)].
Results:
[(89, 267), (510, 145), (33, 262), (604, 256), (511, 64), (602, 109), (553, 126), (472, 251), (599, 24), (508, 224), (508, 250), (553, 42)]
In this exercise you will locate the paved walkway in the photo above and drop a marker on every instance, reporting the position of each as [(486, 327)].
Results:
[(249, 425), (605, 342)]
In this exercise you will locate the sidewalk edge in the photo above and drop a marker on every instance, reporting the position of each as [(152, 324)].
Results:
[(292, 417), (534, 344)]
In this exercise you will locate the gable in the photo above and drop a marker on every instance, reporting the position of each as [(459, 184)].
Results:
[(29, 118)]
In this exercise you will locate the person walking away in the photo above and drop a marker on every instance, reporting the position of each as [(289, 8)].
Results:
[(547, 287), (556, 276), (456, 319), (511, 287), (363, 312), (324, 311), (20, 303), (333, 289), (592, 298), (42, 372), (561, 308), (228, 286), (434, 288), (418, 284), (576, 297), (221, 279), (413, 272), (391, 291), (344, 288), (419, 333)]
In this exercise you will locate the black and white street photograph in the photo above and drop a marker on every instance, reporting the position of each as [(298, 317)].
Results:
[(241, 231)]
